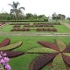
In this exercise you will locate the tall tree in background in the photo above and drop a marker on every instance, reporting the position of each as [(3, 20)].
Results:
[(15, 10)]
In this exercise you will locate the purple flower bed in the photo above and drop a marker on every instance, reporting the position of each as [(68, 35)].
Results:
[(49, 45), (47, 29), (66, 59), (67, 49), (12, 54), (5, 42), (20, 29), (42, 60)]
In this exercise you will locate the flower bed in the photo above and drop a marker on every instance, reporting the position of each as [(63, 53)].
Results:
[(12, 46), (40, 50), (12, 54), (5, 42), (49, 45), (42, 60), (47, 29), (20, 29)]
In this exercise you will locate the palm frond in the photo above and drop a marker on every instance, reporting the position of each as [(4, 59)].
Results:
[(22, 8), (11, 11)]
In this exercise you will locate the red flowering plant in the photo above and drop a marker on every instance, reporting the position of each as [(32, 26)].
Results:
[(56, 55)]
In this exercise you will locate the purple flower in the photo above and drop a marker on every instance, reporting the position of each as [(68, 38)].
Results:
[(2, 61), (4, 54), (0, 56), (8, 67), (6, 59), (1, 52)]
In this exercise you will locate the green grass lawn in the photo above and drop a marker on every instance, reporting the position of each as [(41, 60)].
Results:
[(60, 29), (23, 62)]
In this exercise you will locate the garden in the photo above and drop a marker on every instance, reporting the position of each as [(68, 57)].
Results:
[(36, 53), (34, 27), (34, 42)]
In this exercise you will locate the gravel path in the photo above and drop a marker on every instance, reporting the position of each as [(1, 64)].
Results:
[(68, 25), (33, 34)]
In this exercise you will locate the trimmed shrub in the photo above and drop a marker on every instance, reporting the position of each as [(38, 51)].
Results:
[(58, 63), (12, 54), (49, 45), (11, 46), (41, 50), (60, 44), (43, 60), (66, 59), (5, 42), (67, 49)]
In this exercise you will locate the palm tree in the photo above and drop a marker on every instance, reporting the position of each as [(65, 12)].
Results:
[(15, 10)]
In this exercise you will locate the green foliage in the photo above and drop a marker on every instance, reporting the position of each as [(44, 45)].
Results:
[(23, 62), (60, 44), (68, 54), (11, 46), (41, 50), (58, 63)]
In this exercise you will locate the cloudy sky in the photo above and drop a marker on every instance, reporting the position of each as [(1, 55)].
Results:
[(47, 7)]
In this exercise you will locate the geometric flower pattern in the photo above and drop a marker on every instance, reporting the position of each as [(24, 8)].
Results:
[(59, 60), (7, 48)]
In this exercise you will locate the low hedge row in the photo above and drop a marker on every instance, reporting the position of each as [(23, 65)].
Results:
[(20, 29), (49, 45), (11, 46), (12, 54), (43, 60), (19, 24), (67, 49), (47, 29), (22, 21), (41, 50), (58, 63), (49, 23), (60, 44), (66, 59), (5, 42), (16, 26)]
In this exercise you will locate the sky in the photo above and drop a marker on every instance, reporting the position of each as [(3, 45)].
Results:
[(46, 7)]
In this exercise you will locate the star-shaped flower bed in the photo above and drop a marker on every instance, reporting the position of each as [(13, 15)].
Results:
[(7, 48), (54, 53)]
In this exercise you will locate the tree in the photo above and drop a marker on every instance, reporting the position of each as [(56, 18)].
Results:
[(15, 10), (54, 15), (29, 16), (42, 17), (61, 16)]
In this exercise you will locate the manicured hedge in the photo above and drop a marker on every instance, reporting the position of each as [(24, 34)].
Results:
[(12, 54), (47, 29), (22, 21), (49, 45), (58, 63), (42, 60), (11, 46), (66, 59), (5, 42), (41, 50), (67, 49), (60, 44), (20, 29)]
